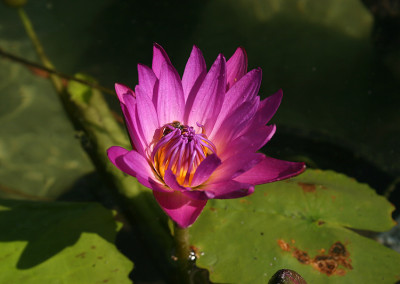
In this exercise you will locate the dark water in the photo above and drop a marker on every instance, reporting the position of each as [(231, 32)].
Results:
[(338, 63)]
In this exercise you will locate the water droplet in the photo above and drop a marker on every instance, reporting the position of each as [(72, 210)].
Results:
[(192, 256)]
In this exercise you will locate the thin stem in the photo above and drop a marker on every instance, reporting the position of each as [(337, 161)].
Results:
[(52, 71), (99, 130), (182, 247), (39, 49)]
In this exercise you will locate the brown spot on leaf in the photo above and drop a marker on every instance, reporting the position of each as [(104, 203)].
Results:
[(320, 222), (325, 264), (301, 256), (213, 209), (307, 187), (334, 263), (244, 201), (265, 193), (93, 247), (284, 245), (99, 257), (81, 255), (333, 198)]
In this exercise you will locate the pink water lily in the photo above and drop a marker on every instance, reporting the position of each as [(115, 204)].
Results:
[(197, 138)]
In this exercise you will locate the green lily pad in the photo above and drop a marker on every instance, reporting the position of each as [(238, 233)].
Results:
[(59, 243), (303, 224)]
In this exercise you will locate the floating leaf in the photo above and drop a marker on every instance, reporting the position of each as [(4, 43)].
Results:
[(59, 243), (303, 224)]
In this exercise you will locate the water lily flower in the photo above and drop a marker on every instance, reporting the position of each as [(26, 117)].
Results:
[(197, 138)]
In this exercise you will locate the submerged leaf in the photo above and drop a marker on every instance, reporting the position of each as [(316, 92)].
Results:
[(303, 224)]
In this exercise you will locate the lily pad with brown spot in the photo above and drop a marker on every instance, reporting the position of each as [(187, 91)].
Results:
[(284, 226)]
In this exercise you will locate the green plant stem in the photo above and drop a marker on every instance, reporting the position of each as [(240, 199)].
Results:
[(39, 49), (182, 252), (98, 130), (52, 71)]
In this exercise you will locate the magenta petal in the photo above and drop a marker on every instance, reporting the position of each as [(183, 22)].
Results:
[(205, 169), (199, 194), (234, 124), (244, 90), (251, 141), (229, 189), (131, 163), (235, 166), (205, 106), (116, 154), (171, 102), (147, 80), (137, 166), (147, 115), (170, 180), (181, 208), (267, 109), (270, 170), (123, 90), (129, 110), (159, 57), (236, 67), (195, 71)]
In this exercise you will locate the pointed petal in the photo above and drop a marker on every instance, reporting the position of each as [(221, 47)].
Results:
[(115, 154), (129, 111), (122, 90), (234, 124), (236, 67), (205, 169), (195, 71), (251, 141), (267, 109), (131, 163), (147, 115), (244, 90), (171, 102), (136, 165), (170, 180), (235, 166), (229, 189), (159, 57), (205, 106), (147, 80), (270, 170), (181, 208)]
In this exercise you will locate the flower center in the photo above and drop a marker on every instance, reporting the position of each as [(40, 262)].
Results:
[(181, 150)]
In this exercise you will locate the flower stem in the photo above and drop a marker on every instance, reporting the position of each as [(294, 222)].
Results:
[(39, 48), (99, 130), (182, 247)]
